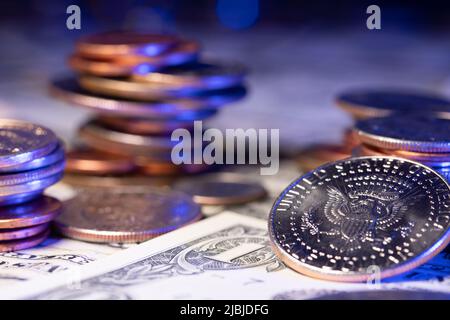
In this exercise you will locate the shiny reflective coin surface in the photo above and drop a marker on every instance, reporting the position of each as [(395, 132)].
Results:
[(125, 88), (21, 197), (123, 65), (99, 67), (429, 159), (19, 178), (21, 244), (18, 193), (20, 233), (113, 44), (145, 126), (95, 131), (222, 190), (70, 91), (346, 219), (95, 162), (350, 139), (55, 156), (196, 76), (419, 134), (36, 212), (381, 103), (21, 142), (125, 214)]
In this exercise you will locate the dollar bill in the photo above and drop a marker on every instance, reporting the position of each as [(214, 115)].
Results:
[(54, 255), (227, 256)]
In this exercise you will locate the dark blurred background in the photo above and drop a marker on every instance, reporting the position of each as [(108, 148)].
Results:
[(300, 53), (414, 15)]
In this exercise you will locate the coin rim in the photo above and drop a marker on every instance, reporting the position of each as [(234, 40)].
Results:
[(352, 276), (25, 243), (93, 235), (22, 233), (390, 143), (15, 159), (51, 213)]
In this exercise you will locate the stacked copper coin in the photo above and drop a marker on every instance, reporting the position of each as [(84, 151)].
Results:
[(418, 138), (31, 159), (142, 87)]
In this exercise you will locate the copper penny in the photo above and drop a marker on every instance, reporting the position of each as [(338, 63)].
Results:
[(350, 139), (116, 66), (42, 210), (192, 108), (125, 214), (157, 168), (113, 44), (144, 126), (99, 67), (96, 162), (98, 136), (21, 244), (20, 233), (318, 155)]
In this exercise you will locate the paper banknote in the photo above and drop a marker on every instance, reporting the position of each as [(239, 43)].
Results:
[(54, 255), (224, 257)]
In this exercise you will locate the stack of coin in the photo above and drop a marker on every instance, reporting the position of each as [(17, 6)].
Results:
[(31, 159), (142, 87), (418, 138), (374, 103)]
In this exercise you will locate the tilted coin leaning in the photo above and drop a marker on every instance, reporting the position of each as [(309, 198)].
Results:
[(360, 218)]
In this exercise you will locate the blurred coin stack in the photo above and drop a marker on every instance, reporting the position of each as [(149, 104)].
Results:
[(142, 87), (363, 104), (417, 138), (31, 159)]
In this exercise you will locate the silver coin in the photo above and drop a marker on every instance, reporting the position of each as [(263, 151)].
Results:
[(359, 218), (386, 101), (52, 158), (22, 142), (31, 175), (412, 133), (29, 187), (7, 200)]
